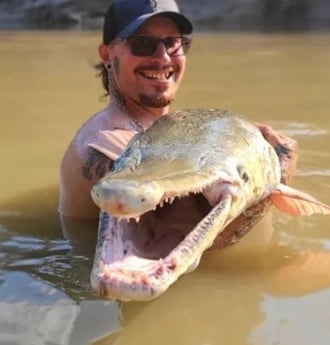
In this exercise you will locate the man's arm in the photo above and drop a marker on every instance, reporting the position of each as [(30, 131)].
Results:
[(79, 173), (96, 165), (78, 213), (287, 151)]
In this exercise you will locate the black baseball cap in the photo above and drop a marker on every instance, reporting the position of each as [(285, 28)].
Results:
[(124, 17)]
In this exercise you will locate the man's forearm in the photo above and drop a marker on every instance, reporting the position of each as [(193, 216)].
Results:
[(286, 149)]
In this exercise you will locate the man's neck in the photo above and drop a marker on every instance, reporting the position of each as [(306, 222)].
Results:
[(143, 116)]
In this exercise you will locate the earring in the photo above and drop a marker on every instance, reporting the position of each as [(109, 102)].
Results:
[(108, 66)]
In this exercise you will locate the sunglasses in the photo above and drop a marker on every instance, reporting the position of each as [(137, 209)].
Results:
[(147, 45)]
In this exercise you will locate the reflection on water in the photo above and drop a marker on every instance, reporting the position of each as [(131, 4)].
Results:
[(254, 293)]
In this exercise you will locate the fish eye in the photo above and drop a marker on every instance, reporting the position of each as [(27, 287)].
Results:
[(242, 173)]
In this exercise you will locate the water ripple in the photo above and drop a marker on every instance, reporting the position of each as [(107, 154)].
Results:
[(300, 129), (51, 260), (323, 172)]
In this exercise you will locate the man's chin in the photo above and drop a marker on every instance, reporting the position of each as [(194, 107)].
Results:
[(155, 101)]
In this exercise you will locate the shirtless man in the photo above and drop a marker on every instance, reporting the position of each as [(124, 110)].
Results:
[(143, 60)]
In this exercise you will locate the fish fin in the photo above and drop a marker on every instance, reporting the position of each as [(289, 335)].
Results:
[(295, 202), (112, 142)]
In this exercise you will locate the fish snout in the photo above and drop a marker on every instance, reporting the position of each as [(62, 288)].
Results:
[(126, 198)]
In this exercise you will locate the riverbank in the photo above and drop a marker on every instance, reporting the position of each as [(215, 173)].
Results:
[(221, 15)]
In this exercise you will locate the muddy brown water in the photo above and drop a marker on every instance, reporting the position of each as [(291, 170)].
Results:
[(271, 288)]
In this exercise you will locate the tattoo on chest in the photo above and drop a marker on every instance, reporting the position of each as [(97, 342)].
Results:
[(97, 164)]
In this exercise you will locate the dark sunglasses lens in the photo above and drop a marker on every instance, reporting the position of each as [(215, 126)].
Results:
[(176, 46), (146, 46), (143, 46), (186, 43)]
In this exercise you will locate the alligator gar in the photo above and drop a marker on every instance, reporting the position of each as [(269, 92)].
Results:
[(173, 191)]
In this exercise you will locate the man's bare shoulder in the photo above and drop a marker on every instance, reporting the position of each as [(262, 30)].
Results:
[(78, 155), (106, 120), (102, 120)]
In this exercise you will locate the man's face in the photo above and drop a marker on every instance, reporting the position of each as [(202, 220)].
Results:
[(148, 80)]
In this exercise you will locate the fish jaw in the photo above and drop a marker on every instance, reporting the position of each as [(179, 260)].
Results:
[(118, 273), (127, 199), (121, 273)]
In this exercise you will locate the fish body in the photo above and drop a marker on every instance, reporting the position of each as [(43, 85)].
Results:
[(218, 154)]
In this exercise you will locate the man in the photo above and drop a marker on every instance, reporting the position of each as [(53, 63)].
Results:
[(142, 64)]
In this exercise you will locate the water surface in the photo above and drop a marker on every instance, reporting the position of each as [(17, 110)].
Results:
[(272, 288)]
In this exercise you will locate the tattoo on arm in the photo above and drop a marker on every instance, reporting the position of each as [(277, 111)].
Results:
[(97, 164)]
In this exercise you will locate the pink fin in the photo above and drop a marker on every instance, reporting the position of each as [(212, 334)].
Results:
[(295, 202), (112, 143)]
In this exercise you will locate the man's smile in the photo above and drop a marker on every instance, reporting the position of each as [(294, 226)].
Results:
[(157, 75)]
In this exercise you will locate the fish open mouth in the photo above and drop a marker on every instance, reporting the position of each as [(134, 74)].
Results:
[(138, 259)]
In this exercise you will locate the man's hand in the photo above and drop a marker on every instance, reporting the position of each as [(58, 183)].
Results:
[(287, 151)]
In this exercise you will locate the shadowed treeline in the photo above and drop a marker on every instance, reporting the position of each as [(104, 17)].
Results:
[(224, 15)]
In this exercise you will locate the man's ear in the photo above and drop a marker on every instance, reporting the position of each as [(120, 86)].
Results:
[(104, 54)]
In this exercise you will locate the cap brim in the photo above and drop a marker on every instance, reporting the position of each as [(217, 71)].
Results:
[(183, 23)]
